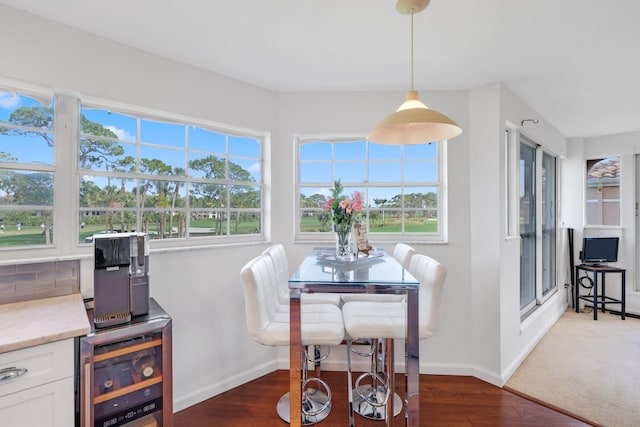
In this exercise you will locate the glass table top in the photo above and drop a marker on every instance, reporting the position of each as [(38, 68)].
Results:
[(321, 267)]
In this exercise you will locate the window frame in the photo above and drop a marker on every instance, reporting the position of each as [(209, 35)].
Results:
[(42, 95), (381, 237), (142, 113)]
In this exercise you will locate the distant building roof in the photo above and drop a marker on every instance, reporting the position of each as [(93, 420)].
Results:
[(605, 169)]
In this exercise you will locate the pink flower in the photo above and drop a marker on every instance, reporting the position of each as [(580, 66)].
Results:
[(327, 205)]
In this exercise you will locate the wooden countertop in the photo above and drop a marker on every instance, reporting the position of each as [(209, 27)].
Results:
[(29, 323)]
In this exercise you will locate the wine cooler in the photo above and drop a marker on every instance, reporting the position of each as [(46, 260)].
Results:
[(125, 373)]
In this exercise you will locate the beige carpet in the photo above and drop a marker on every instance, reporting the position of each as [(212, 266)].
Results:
[(586, 367)]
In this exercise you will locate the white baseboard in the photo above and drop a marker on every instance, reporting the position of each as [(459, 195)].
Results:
[(197, 396)]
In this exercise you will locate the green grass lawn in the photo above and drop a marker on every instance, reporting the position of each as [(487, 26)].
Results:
[(33, 235), (27, 236), (311, 224)]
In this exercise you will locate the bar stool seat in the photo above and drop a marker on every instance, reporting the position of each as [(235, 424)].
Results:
[(321, 324), (364, 319)]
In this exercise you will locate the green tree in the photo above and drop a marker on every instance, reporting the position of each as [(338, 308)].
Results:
[(381, 203), (35, 117), (215, 194)]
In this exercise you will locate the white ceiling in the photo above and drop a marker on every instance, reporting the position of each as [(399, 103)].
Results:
[(576, 62)]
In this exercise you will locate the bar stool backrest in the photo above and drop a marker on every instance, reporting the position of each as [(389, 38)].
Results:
[(431, 275), (403, 254), (279, 257), (260, 295)]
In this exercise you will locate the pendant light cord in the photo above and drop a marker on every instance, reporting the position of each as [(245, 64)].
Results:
[(411, 50)]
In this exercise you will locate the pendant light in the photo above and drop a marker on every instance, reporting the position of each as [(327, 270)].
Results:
[(413, 122)]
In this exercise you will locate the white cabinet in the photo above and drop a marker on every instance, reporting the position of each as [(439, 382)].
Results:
[(43, 395)]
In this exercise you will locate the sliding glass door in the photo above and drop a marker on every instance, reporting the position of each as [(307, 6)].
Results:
[(538, 225), (549, 224), (527, 226)]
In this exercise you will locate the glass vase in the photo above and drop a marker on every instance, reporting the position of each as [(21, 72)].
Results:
[(344, 250)]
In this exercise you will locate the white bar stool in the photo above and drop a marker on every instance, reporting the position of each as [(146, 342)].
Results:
[(268, 324), (388, 320)]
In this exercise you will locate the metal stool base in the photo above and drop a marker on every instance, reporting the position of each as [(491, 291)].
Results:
[(312, 400), (364, 409)]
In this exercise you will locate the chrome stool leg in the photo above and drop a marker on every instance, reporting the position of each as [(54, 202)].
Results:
[(371, 400), (316, 404)]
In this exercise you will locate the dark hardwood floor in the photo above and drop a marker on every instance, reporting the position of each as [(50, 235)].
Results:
[(451, 401)]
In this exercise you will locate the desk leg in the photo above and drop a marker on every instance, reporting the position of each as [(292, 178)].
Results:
[(623, 295), (413, 361), (595, 296), (295, 360), (604, 291), (576, 291)]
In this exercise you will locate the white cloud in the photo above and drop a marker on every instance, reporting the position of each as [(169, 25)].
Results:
[(254, 168), (8, 100), (121, 133)]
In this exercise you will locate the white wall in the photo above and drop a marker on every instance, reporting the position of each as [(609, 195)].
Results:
[(201, 288), (480, 333), (518, 339), (357, 113), (500, 340)]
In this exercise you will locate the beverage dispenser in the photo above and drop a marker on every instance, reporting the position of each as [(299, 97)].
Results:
[(111, 299), (121, 278)]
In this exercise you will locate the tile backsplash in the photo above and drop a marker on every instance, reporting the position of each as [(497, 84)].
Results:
[(23, 282)]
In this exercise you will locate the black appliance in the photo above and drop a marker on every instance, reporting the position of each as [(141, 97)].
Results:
[(121, 278), (596, 250)]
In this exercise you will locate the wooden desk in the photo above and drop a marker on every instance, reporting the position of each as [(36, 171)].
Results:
[(600, 299), (378, 274)]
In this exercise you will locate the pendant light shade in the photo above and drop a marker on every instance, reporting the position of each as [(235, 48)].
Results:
[(413, 122)]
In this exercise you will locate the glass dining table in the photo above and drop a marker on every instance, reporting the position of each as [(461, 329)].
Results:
[(377, 273)]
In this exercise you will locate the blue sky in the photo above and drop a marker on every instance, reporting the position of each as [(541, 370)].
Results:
[(32, 149), (316, 158)]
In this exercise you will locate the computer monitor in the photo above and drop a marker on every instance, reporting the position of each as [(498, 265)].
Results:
[(596, 250)]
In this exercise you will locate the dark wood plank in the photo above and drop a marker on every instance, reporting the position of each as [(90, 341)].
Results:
[(445, 401)]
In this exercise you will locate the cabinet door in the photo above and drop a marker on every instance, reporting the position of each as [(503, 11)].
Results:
[(49, 405)]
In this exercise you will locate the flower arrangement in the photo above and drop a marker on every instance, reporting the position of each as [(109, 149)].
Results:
[(343, 209)]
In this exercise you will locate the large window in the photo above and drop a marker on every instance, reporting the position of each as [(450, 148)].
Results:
[(603, 191), (180, 180), (168, 179), (27, 171), (402, 186), (538, 225)]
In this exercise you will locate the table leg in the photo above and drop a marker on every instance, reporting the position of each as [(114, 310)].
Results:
[(295, 360), (350, 384), (413, 360), (390, 370)]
